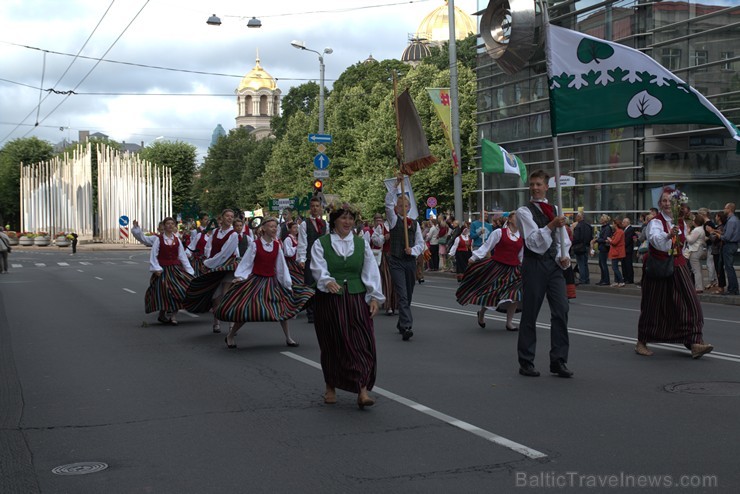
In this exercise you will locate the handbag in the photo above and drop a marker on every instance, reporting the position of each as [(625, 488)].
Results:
[(659, 268), (643, 247)]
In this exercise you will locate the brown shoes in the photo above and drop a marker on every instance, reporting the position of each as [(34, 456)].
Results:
[(330, 396), (699, 349), (642, 349)]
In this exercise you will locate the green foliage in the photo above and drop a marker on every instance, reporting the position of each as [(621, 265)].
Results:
[(299, 99), (180, 157), (365, 75), (289, 171), (27, 151), (464, 48)]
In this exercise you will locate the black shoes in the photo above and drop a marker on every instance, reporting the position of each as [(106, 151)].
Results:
[(528, 370), (558, 367), (291, 343), (407, 334), (227, 343)]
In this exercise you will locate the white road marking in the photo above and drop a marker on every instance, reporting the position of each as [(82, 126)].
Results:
[(130, 262), (81, 271), (16, 266), (63, 264), (592, 334), (638, 310), (40, 264), (127, 290), (108, 262), (489, 436), (98, 278), (86, 263)]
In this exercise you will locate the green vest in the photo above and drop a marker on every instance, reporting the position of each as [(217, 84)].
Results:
[(346, 270)]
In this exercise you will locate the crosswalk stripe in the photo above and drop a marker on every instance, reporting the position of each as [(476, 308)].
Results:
[(63, 264)]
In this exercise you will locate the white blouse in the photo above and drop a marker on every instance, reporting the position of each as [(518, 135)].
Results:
[(290, 246), (493, 240), (456, 243), (230, 248), (345, 247), (538, 239), (418, 246), (168, 240), (147, 240), (657, 237), (246, 265)]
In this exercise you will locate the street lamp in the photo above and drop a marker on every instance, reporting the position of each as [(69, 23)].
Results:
[(214, 20), (301, 45)]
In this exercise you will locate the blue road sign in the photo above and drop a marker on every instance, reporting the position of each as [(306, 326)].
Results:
[(321, 161), (325, 138), (123, 220), (431, 213)]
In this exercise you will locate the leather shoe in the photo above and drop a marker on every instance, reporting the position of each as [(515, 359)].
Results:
[(699, 349), (227, 343), (529, 371), (558, 367), (291, 343), (407, 334), (363, 400)]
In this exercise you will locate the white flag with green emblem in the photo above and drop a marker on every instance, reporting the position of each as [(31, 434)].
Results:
[(597, 84)]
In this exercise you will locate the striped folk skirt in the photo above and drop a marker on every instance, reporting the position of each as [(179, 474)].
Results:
[(670, 311), (260, 299), (346, 337), (198, 266), (167, 291), (492, 284), (205, 286), (295, 270), (391, 298)]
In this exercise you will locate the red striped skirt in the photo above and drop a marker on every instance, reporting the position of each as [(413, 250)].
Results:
[(491, 284), (198, 265), (260, 299), (167, 291), (346, 337), (204, 286), (670, 311), (295, 270), (391, 298)]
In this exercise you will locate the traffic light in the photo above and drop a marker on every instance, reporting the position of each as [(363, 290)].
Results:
[(318, 185)]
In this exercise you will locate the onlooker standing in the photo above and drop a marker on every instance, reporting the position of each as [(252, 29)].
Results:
[(730, 238), (582, 236), (442, 236), (605, 233), (709, 224), (616, 251), (720, 219), (628, 270), (479, 230), (696, 246), (4, 251), (433, 239)]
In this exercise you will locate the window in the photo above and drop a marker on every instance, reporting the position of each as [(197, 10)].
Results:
[(727, 55), (670, 58), (700, 58)]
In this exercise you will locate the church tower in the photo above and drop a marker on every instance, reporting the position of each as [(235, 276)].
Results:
[(257, 100)]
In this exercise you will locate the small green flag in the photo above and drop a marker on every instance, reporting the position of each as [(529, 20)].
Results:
[(495, 159)]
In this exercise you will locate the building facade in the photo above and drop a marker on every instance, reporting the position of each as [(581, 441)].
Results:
[(618, 171), (257, 101)]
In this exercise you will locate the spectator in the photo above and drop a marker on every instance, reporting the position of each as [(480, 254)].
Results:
[(696, 247), (730, 239), (719, 266), (582, 236), (629, 251), (5, 249), (711, 280), (603, 249), (479, 230), (616, 250), (433, 239)]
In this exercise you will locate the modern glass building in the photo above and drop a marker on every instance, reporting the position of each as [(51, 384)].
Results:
[(617, 171)]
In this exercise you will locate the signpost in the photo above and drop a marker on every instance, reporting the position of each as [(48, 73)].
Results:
[(320, 138), (123, 227), (321, 174), (431, 213), (432, 202), (321, 161)]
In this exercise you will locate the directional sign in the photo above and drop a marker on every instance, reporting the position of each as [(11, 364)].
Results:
[(321, 174), (321, 161), (431, 213), (123, 220), (325, 138), (432, 202), (320, 148)]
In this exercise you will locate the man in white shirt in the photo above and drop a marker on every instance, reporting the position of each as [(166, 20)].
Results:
[(308, 232)]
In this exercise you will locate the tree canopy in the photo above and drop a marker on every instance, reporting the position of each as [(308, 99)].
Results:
[(25, 151)]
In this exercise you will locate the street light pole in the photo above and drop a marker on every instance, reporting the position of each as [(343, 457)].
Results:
[(327, 51), (455, 114)]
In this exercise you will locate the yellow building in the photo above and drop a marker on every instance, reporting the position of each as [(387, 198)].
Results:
[(258, 100)]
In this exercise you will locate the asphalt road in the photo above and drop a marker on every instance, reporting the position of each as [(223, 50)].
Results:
[(86, 376)]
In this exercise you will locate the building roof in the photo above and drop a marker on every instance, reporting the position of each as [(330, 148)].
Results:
[(435, 26), (417, 49), (257, 79)]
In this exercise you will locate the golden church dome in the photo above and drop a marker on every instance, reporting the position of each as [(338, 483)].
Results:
[(257, 79), (435, 27)]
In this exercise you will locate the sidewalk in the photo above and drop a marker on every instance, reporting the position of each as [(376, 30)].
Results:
[(83, 247)]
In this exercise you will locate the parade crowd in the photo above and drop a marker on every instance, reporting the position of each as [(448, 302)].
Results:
[(342, 272)]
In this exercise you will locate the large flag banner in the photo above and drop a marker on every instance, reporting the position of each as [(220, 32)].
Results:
[(416, 153), (390, 185), (597, 84), (441, 99), (495, 159)]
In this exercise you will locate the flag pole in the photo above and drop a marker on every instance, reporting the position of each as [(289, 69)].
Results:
[(399, 159)]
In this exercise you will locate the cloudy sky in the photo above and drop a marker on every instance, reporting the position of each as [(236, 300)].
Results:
[(134, 104)]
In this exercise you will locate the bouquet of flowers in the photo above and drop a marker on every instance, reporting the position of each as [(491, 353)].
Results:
[(677, 199)]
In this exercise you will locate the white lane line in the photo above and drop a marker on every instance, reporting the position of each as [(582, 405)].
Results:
[(40, 264), (16, 266), (63, 264), (130, 262), (638, 310), (86, 263), (81, 271), (592, 334), (189, 314), (127, 290), (489, 436), (98, 278), (108, 262)]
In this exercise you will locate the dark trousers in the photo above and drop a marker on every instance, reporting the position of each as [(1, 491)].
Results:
[(74, 246), (308, 280), (728, 254), (719, 267), (628, 271), (403, 275), (434, 261), (542, 277), (582, 262), (604, 266), (615, 267)]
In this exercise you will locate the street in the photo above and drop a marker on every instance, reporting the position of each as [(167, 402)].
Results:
[(86, 376)]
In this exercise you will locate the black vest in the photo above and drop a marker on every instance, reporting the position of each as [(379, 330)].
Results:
[(311, 235), (541, 221), (398, 243)]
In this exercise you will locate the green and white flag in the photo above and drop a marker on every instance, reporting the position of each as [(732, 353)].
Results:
[(495, 159), (597, 84)]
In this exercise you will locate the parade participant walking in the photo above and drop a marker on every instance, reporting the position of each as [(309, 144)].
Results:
[(244, 236), (221, 249), (402, 259), (495, 281), (348, 296), (381, 238), (262, 289), (542, 274), (171, 275), (146, 239), (670, 311), (290, 250), (308, 232), (628, 270), (462, 249)]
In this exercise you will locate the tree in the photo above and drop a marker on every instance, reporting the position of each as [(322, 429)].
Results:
[(26, 151), (464, 48), (299, 99), (180, 158)]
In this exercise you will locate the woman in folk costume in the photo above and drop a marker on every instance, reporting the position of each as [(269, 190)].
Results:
[(171, 275), (196, 248), (348, 296), (262, 289), (462, 249), (290, 246), (381, 239), (496, 281), (221, 250), (670, 311)]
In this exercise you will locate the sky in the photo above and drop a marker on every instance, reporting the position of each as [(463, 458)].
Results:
[(136, 104)]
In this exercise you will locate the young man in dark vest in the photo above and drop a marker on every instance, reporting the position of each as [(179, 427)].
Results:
[(542, 274), (308, 232), (402, 259)]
